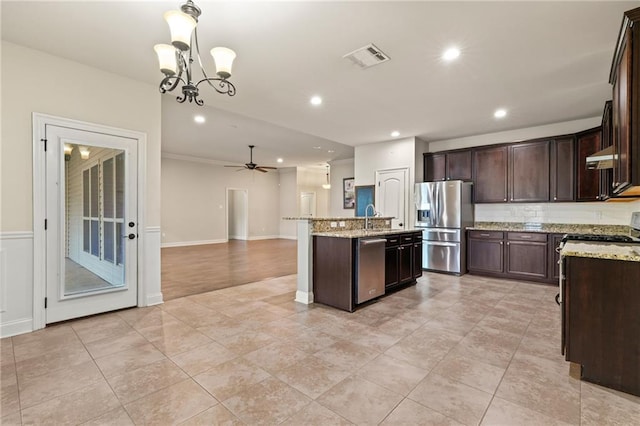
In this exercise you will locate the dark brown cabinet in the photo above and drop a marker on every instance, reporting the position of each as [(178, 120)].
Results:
[(600, 326), (405, 261), (391, 261), (554, 256), (452, 165), (529, 172), (401, 254), (625, 78), (588, 181), (490, 174), (485, 252), (562, 174), (526, 255), (606, 175), (417, 255)]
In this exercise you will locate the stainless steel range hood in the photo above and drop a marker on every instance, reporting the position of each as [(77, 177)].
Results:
[(601, 159)]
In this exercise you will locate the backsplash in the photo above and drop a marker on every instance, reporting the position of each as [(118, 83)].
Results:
[(611, 213)]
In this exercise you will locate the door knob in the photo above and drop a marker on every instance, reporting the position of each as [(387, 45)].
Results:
[(131, 224), (132, 236)]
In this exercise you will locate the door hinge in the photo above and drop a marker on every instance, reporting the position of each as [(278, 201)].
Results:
[(45, 303), (45, 143), (45, 224)]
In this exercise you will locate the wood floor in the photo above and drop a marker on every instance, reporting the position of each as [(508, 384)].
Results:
[(198, 269)]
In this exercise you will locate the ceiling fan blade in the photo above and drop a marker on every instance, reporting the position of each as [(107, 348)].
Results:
[(260, 169), (267, 167), (234, 166)]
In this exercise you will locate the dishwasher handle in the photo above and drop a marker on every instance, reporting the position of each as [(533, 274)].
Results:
[(373, 241)]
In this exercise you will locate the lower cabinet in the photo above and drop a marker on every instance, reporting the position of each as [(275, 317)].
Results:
[(403, 259), (518, 255)]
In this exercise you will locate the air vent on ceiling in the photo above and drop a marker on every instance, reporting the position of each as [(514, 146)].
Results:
[(367, 56)]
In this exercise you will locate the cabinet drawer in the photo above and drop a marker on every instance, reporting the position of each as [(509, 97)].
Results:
[(392, 240), (417, 237), (527, 236), (486, 235), (406, 238)]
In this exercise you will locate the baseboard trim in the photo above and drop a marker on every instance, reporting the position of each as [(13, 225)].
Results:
[(155, 299), (288, 237), (16, 235), (304, 297), (193, 243), (263, 237), (15, 327)]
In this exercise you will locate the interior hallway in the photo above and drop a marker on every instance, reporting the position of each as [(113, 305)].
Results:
[(198, 269), (448, 351)]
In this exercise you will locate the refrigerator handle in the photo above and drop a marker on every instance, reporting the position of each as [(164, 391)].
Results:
[(437, 203)]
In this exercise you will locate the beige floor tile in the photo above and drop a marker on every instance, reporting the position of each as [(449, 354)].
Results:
[(412, 413), (129, 359), (606, 406), (268, 402), (47, 386), (100, 327), (347, 355), (283, 328), (172, 405), (312, 340), (230, 378), (453, 399), (226, 328), (202, 358), (247, 341), (66, 357), (73, 408), (14, 419), (488, 352), (137, 383), (141, 318), (424, 348), (111, 345), (216, 415), (6, 351), (9, 398), (502, 412), (312, 376), (472, 372), (315, 414), (57, 338), (276, 356), (174, 342), (398, 327), (393, 374), (116, 417), (512, 325), (360, 401)]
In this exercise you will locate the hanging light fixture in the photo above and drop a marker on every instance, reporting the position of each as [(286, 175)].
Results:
[(175, 59), (327, 185)]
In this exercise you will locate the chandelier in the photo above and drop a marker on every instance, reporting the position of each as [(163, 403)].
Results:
[(176, 58)]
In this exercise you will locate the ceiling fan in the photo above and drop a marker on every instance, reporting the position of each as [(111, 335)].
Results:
[(253, 166)]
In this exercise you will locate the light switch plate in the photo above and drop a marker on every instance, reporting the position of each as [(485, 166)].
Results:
[(334, 224), (342, 224)]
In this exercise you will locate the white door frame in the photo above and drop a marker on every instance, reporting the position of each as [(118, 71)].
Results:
[(40, 121), (407, 192), (313, 206), (245, 218)]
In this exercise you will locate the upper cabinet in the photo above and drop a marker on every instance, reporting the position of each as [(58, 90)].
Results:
[(562, 173), (490, 174), (606, 175), (529, 172), (451, 165), (588, 180), (625, 78)]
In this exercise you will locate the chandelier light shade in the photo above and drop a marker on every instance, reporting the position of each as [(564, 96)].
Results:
[(176, 59), (328, 184)]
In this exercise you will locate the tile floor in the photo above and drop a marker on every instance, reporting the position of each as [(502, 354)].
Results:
[(449, 350)]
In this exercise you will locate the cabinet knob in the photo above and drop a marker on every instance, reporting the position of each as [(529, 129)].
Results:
[(555, 198), (501, 243), (508, 243), (504, 199)]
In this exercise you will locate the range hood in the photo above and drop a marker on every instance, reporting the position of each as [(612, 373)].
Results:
[(601, 159)]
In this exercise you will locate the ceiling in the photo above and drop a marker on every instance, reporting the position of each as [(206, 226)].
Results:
[(544, 62)]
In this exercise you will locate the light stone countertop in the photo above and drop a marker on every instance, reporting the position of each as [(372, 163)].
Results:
[(359, 233), (598, 250), (334, 218), (551, 228)]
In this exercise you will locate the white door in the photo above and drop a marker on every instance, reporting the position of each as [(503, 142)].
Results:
[(307, 204), (392, 196), (92, 225), (237, 214)]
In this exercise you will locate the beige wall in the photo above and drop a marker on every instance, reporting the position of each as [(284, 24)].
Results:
[(194, 203), (311, 180), (288, 201), (33, 81), (340, 169)]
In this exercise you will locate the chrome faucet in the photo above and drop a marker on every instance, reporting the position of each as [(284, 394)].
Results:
[(366, 215)]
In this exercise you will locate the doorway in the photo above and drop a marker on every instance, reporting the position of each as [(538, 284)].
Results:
[(392, 196), (307, 204), (86, 191), (237, 214)]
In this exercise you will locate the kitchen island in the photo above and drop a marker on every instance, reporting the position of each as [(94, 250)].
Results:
[(600, 294), (353, 267)]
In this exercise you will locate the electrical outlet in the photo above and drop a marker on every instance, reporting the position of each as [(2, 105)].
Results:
[(334, 224), (387, 222), (342, 224)]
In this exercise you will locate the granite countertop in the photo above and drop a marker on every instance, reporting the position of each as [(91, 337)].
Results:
[(334, 218), (551, 228), (359, 233), (598, 250)]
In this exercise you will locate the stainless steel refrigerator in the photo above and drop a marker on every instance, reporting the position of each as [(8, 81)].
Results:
[(444, 209)]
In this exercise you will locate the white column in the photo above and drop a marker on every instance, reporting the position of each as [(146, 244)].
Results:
[(304, 294)]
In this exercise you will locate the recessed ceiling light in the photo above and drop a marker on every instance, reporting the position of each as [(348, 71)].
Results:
[(199, 119), (500, 113), (316, 100), (451, 54), (395, 134), (279, 160), (331, 151), (317, 147)]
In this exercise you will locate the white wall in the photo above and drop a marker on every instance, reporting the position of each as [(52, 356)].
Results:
[(194, 202), (340, 169), (311, 180), (288, 201), (73, 91)]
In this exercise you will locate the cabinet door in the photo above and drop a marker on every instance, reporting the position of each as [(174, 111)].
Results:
[(459, 165), (417, 260), (490, 174), (527, 259), (485, 256), (606, 175), (554, 256), (391, 266), (562, 169), (405, 263), (621, 117), (434, 167), (529, 172), (588, 181)]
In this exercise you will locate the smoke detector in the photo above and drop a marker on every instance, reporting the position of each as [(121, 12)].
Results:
[(367, 56)]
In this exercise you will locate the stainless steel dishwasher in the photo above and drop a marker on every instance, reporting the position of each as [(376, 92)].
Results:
[(370, 269)]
